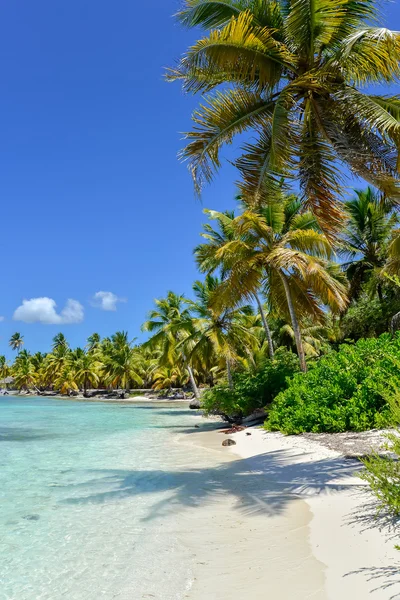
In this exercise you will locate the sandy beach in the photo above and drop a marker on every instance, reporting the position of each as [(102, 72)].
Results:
[(285, 517)]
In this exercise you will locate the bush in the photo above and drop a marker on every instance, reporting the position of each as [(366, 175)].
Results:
[(344, 391), (368, 317), (252, 389), (383, 472)]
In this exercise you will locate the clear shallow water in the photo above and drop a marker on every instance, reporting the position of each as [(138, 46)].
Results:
[(84, 500)]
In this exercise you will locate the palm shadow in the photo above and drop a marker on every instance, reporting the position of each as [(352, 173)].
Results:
[(263, 484)]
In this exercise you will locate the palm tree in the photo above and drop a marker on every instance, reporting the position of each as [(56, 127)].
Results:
[(208, 258), (4, 368), (24, 371), (121, 366), (87, 370), (170, 322), (93, 342), (292, 74), (60, 340), (366, 239), (279, 248), (56, 362), (219, 332), (16, 341)]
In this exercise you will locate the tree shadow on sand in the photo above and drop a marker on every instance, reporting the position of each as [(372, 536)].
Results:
[(371, 517), (263, 484)]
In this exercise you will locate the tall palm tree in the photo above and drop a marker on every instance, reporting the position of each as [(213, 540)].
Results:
[(208, 258), (60, 340), (93, 342), (366, 239), (87, 370), (16, 341), (279, 247), (4, 368), (121, 366), (296, 75), (170, 322), (221, 332), (24, 371)]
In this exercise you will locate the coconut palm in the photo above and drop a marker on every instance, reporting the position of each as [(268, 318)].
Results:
[(166, 378), (56, 362), (217, 332), (24, 371), (87, 370), (16, 341), (4, 367), (170, 322), (366, 240), (121, 366), (208, 259), (280, 248), (60, 340), (296, 75), (93, 342)]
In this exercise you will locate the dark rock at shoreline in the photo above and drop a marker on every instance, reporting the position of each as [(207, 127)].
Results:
[(194, 404), (229, 442)]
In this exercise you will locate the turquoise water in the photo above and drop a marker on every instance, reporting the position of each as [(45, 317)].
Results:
[(84, 500)]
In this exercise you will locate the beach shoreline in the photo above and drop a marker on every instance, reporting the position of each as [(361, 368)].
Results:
[(295, 521)]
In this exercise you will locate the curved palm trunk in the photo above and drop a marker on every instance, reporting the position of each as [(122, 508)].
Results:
[(193, 383), (229, 373), (266, 327), (295, 324)]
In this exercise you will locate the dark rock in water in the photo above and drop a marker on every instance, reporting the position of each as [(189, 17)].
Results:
[(31, 517), (229, 442), (197, 426), (195, 404)]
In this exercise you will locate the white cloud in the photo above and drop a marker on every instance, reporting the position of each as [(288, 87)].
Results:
[(43, 310), (1, 318), (106, 300)]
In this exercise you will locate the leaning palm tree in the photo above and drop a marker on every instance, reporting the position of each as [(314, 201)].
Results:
[(209, 259), (223, 332), (281, 249), (170, 323), (16, 341), (296, 75), (366, 240)]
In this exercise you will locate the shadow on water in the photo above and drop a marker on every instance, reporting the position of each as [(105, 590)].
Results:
[(16, 434), (260, 485)]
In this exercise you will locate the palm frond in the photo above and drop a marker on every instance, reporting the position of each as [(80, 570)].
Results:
[(226, 115)]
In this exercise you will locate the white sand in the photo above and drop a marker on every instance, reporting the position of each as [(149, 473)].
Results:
[(289, 519)]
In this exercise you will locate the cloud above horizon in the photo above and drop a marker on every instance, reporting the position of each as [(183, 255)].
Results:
[(106, 301), (44, 310)]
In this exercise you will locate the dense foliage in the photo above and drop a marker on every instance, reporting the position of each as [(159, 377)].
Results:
[(252, 389), (383, 472), (344, 391)]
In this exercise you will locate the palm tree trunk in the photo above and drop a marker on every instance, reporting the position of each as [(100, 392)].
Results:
[(229, 373), (295, 324), (266, 327), (85, 386), (193, 382)]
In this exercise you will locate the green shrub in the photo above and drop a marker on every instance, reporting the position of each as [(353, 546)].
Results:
[(368, 317), (252, 389), (343, 391), (383, 472)]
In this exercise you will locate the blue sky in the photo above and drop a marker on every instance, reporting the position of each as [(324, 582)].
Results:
[(93, 197)]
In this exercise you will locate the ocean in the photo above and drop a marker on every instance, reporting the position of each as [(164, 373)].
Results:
[(90, 502)]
